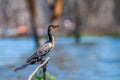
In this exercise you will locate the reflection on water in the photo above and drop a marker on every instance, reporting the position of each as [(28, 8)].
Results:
[(96, 58)]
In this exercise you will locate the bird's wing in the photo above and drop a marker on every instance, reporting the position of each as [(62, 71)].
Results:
[(42, 51)]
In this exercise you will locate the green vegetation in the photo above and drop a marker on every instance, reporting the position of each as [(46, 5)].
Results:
[(39, 76)]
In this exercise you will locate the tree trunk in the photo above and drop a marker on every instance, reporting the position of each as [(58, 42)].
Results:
[(32, 11)]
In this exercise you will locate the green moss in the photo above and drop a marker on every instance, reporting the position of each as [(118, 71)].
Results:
[(39, 76)]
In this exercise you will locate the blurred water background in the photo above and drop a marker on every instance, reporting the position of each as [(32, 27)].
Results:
[(95, 58)]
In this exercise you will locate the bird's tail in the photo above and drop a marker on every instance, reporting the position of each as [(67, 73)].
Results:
[(21, 67)]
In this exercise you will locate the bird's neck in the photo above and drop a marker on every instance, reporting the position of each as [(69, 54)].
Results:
[(51, 37)]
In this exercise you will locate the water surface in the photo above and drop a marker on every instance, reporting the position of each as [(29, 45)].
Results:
[(95, 58)]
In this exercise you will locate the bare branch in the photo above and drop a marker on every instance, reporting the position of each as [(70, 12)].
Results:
[(38, 68)]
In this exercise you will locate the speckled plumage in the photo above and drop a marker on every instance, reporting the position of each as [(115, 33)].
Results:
[(41, 53)]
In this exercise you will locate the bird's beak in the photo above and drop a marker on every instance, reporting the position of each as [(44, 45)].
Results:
[(56, 26)]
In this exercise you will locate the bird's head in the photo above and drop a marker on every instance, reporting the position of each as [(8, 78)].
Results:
[(53, 26)]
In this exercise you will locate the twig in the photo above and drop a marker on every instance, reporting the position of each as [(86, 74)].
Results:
[(38, 68)]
